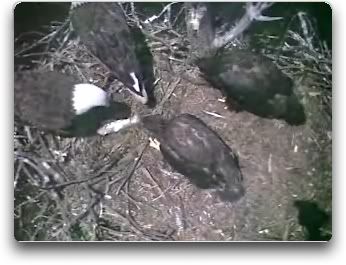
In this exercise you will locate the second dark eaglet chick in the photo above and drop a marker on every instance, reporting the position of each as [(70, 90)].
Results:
[(199, 153)]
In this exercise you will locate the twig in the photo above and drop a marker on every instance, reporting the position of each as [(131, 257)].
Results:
[(17, 174), (28, 134), (169, 92), (24, 34), (133, 169), (35, 54), (73, 182), (182, 9), (128, 197), (33, 166), (81, 216), (213, 114), (45, 40), (270, 163), (162, 192)]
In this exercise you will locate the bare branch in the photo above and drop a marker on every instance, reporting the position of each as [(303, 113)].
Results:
[(253, 12), (165, 9), (133, 169)]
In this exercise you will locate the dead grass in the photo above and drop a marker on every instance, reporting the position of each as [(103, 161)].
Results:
[(117, 188)]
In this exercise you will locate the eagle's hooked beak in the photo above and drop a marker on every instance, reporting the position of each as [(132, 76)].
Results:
[(138, 89)]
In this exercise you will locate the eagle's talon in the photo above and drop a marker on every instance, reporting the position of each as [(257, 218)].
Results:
[(154, 143)]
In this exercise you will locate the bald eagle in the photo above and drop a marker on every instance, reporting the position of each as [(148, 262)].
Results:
[(255, 83), (196, 151), (58, 102), (102, 28)]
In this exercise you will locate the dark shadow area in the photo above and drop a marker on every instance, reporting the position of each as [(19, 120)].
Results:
[(320, 11), (145, 59), (313, 218), (31, 20), (87, 123), (32, 16), (29, 212)]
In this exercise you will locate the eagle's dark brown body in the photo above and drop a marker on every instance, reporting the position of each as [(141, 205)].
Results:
[(197, 152), (255, 83), (102, 28), (44, 99)]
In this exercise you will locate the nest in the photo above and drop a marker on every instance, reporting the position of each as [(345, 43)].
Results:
[(117, 188)]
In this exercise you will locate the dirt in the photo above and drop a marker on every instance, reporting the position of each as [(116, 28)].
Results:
[(275, 159)]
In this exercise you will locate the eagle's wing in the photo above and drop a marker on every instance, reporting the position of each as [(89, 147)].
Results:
[(193, 140), (194, 150), (103, 29), (255, 74), (44, 99)]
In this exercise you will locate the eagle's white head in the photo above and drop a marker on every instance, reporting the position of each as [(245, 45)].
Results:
[(87, 96)]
